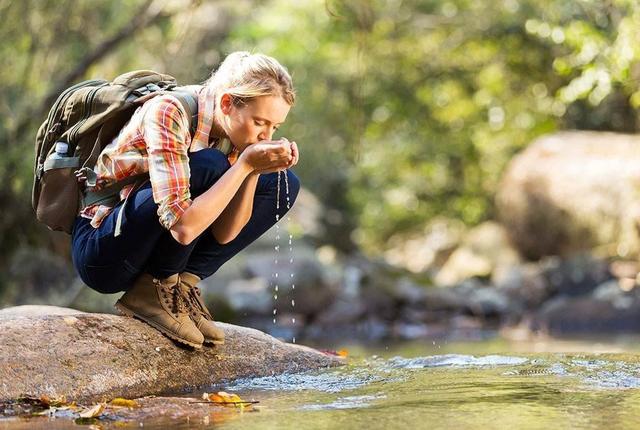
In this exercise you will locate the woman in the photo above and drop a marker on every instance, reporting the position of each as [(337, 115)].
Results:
[(208, 195)]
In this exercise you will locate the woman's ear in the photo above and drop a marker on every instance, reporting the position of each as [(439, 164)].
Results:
[(226, 101)]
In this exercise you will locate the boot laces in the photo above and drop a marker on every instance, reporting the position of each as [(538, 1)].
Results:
[(193, 297), (174, 298)]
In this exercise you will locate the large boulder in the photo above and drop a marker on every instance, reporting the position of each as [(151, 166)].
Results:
[(485, 252), (92, 357), (572, 191), (426, 251)]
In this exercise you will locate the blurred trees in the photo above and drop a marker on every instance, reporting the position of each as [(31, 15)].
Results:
[(415, 107), (406, 109)]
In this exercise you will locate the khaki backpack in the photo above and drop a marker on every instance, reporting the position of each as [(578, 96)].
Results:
[(86, 117)]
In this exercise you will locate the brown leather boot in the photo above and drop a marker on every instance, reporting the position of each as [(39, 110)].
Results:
[(198, 311), (159, 303)]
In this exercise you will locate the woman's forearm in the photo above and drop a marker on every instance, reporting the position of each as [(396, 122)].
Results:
[(237, 213), (207, 207)]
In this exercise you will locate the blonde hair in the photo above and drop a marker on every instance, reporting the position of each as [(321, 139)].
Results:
[(246, 76)]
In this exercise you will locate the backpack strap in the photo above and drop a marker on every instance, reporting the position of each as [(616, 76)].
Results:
[(190, 105), (109, 196)]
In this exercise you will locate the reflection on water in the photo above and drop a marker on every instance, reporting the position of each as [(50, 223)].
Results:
[(490, 384)]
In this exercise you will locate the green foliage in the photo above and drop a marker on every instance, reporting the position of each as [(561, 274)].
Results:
[(405, 110), (419, 105)]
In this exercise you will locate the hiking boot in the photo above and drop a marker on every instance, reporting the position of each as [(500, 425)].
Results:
[(198, 311), (159, 303)]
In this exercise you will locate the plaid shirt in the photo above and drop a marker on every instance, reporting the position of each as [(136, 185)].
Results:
[(155, 140)]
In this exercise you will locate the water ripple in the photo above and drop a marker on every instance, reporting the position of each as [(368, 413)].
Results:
[(455, 360), (330, 382), (351, 402)]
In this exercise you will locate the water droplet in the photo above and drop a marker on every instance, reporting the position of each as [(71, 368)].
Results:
[(276, 288), (276, 275), (274, 320), (294, 340), (293, 320), (275, 311), (293, 302), (275, 297), (293, 286)]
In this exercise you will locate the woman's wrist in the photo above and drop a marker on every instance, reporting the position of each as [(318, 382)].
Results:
[(244, 166)]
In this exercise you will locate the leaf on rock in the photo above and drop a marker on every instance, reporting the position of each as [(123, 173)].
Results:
[(119, 401), (93, 411), (226, 399), (343, 353), (57, 401)]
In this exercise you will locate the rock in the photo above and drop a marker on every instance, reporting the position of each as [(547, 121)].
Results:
[(573, 191), (483, 301), (303, 221), (246, 284), (589, 315), (574, 276), (426, 251), (409, 292), (485, 250), (93, 357), (342, 311), (526, 286), (443, 299), (250, 295), (26, 311)]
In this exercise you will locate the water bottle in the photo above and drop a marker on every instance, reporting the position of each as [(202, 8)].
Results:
[(61, 150)]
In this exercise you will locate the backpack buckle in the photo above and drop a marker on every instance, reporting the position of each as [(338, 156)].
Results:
[(87, 175)]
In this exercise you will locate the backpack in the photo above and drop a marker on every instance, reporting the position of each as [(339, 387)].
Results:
[(87, 117)]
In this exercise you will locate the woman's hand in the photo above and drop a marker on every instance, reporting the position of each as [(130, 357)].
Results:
[(270, 156), (294, 152)]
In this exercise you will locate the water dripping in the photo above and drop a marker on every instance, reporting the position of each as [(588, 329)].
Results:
[(275, 276), (277, 249)]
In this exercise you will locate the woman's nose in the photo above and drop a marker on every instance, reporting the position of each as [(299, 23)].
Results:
[(266, 134)]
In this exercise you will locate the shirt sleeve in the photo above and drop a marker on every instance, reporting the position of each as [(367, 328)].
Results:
[(165, 130)]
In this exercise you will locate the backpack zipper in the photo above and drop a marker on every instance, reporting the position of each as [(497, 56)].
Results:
[(52, 128), (63, 98), (73, 132)]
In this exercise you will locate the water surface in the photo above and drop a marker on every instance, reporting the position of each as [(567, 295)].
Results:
[(584, 384)]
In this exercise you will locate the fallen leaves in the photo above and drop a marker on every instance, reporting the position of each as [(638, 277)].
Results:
[(229, 400), (119, 401), (94, 411), (342, 353)]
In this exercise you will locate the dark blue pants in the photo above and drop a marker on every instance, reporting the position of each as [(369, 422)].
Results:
[(111, 264)]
